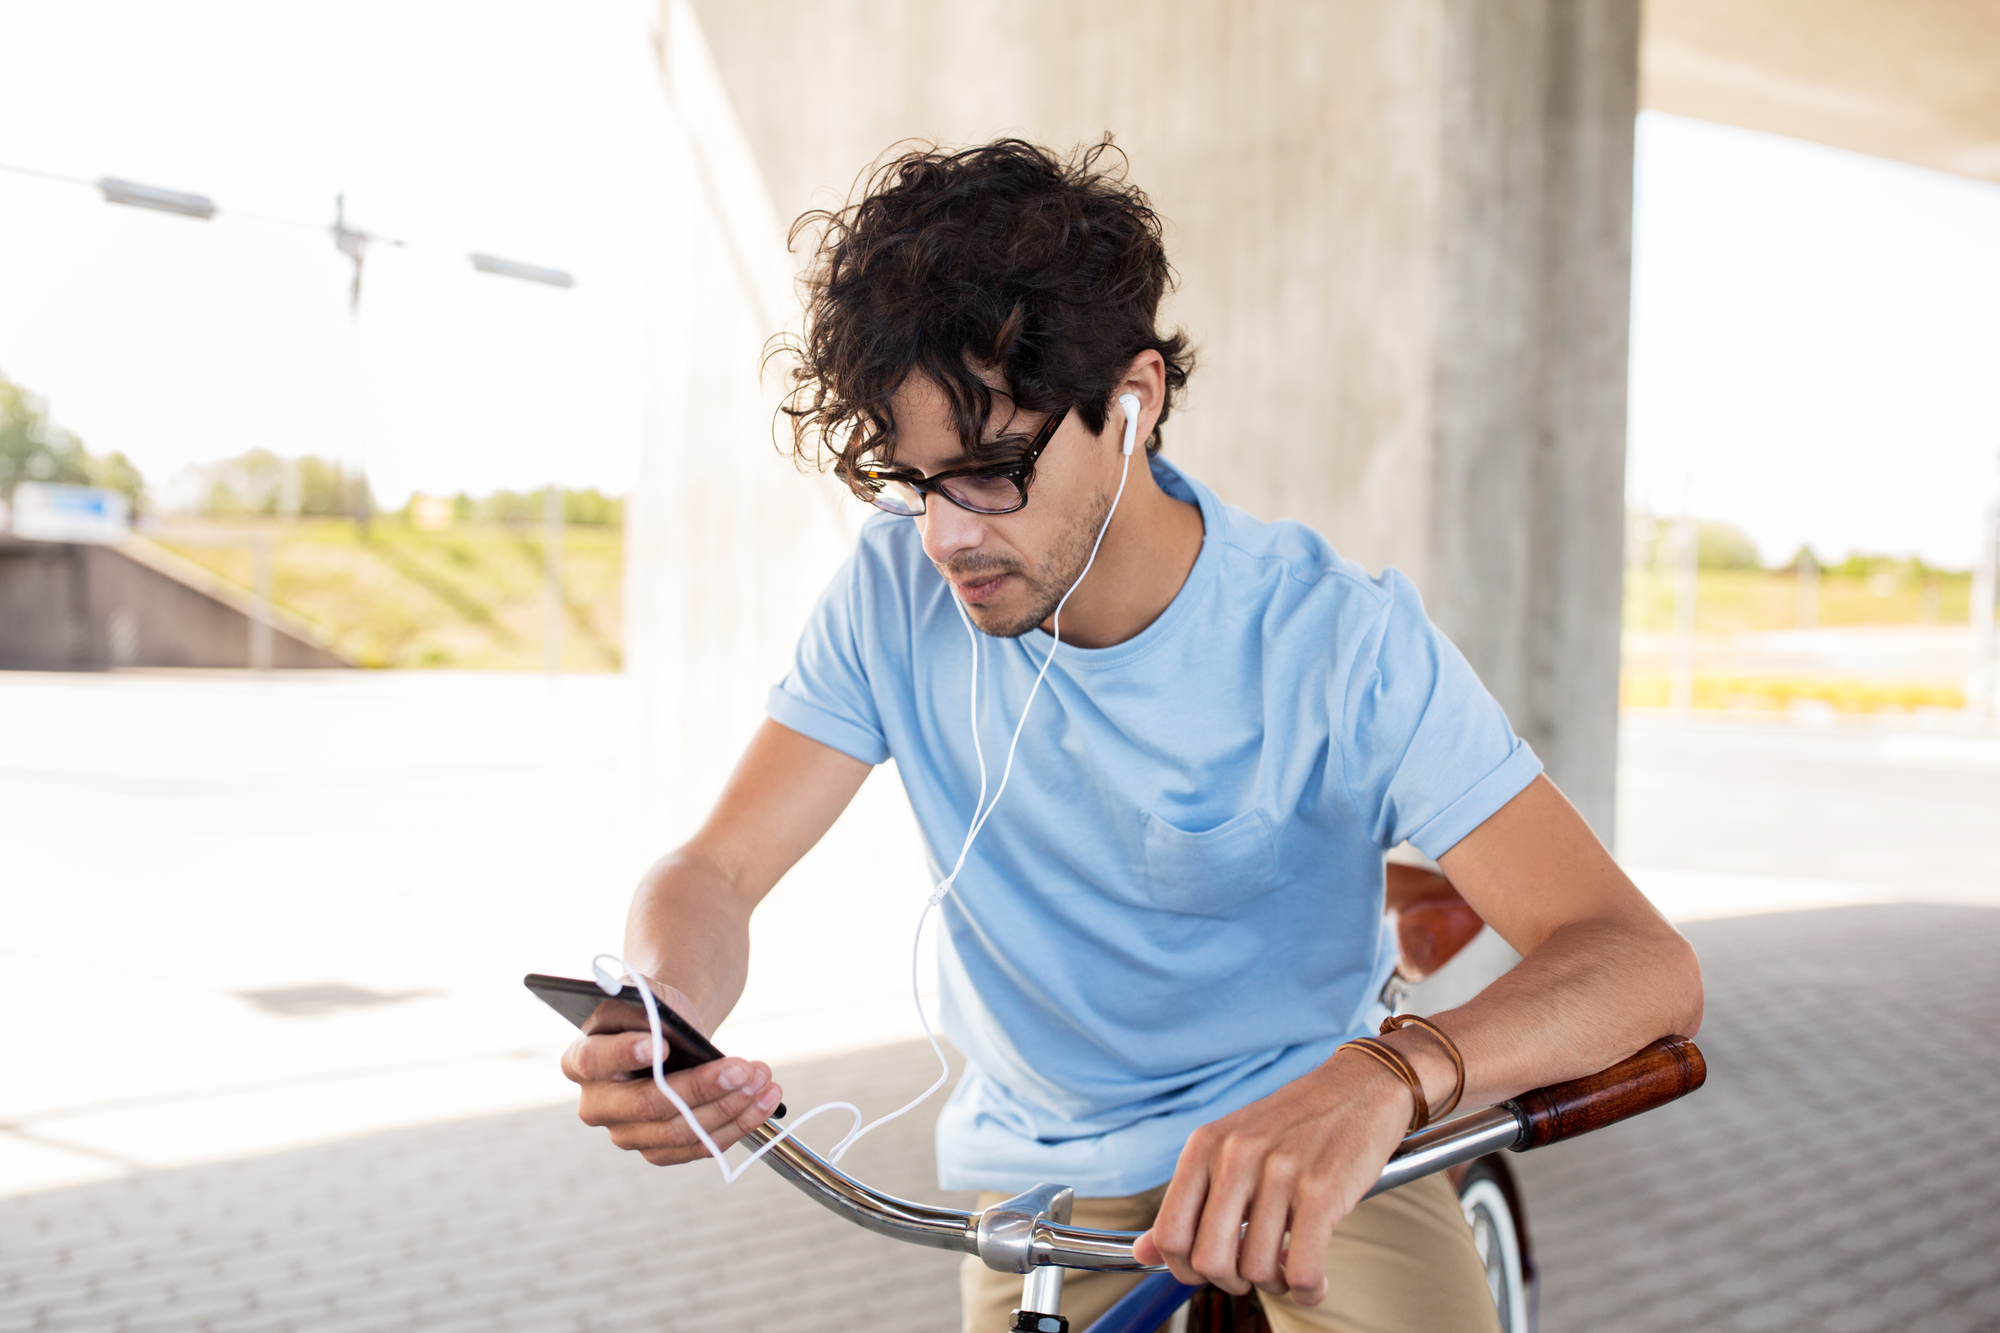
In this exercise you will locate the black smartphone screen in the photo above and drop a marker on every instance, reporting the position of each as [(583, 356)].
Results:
[(577, 1000)]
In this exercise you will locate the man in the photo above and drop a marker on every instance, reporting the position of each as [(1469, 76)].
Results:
[(1174, 920)]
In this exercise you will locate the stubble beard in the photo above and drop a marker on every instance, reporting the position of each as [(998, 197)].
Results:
[(1045, 586)]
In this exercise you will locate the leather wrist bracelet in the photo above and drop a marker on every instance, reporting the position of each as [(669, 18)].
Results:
[(1392, 1059), (1397, 1021)]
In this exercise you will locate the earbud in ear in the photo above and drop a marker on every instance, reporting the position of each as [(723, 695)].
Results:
[(1130, 402)]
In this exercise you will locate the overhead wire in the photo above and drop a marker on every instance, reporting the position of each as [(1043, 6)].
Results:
[(348, 240)]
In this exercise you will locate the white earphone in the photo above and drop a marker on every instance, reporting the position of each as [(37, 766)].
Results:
[(1130, 402)]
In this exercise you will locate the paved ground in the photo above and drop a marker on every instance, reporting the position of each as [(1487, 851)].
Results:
[(1841, 1170), (421, 840), (520, 1221), (1906, 806), (414, 842), (1837, 1175)]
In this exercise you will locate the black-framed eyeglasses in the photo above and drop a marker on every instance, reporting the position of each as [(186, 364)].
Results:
[(997, 488)]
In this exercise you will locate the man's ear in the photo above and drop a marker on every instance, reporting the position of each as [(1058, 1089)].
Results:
[(1146, 378)]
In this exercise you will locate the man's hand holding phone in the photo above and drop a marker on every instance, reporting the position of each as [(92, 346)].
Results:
[(612, 1063)]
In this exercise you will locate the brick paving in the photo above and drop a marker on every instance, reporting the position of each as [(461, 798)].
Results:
[(1841, 1172), (520, 1221)]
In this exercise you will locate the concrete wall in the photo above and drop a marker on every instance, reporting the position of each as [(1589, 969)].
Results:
[(1403, 235), (727, 545), (66, 607)]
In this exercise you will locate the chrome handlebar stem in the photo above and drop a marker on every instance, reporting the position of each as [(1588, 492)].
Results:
[(1032, 1230), (830, 1187)]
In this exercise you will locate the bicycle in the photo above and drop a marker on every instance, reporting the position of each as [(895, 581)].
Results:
[(1030, 1233)]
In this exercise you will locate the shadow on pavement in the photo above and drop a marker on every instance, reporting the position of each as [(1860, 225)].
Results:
[(1837, 1173)]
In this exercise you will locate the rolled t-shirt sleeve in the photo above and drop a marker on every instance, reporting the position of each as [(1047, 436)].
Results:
[(826, 696), (1428, 754)]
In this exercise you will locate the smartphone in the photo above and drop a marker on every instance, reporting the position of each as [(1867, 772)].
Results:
[(578, 1000)]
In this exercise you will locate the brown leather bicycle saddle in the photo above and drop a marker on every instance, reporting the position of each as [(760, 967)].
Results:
[(1432, 922)]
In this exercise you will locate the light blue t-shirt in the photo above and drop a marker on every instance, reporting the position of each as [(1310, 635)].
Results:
[(1177, 907)]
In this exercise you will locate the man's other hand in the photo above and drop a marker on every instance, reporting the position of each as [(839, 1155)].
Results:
[(1296, 1162), (613, 1064)]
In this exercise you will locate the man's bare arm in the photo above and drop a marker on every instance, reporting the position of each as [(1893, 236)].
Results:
[(1602, 974), (690, 918), (689, 931)]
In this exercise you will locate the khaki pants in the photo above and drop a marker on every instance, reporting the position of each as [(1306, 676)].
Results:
[(1402, 1262)]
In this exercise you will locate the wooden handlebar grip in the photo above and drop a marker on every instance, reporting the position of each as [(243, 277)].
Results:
[(1670, 1068)]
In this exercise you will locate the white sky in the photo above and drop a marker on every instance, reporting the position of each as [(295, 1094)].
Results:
[(1816, 335), (1815, 343), (508, 128)]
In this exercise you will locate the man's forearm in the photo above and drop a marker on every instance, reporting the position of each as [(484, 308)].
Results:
[(1589, 995), (1602, 973), (690, 920), (689, 928)]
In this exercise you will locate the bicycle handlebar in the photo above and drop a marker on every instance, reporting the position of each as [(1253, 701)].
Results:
[(1033, 1231)]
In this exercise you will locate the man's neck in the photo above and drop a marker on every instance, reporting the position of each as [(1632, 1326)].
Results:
[(1146, 557)]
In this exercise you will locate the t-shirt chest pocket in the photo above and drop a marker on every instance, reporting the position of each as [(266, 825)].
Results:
[(1211, 872)]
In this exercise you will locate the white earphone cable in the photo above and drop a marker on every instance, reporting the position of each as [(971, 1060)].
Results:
[(982, 811)]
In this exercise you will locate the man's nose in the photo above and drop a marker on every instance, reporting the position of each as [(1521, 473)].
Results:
[(948, 530)]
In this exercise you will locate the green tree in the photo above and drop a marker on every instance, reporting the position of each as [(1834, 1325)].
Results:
[(262, 482), (1724, 546), (1654, 543), (593, 508), (585, 508), (34, 448)]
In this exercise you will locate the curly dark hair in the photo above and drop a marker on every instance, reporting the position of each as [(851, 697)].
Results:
[(1009, 256)]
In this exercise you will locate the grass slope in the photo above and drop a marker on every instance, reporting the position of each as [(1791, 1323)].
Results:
[(469, 597), (1733, 602), (1729, 601)]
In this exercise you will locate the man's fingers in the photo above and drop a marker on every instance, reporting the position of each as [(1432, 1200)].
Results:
[(1259, 1258), (1172, 1235), (618, 1056), (669, 1142), (712, 1103), (606, 1056), (624, 1096), (1313, 1220), (752, 1106), (1217, 1237), (613, 1055)]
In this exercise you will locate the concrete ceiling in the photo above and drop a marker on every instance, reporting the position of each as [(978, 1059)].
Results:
[(1913, 80)]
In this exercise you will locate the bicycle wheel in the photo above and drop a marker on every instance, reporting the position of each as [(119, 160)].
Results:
[(1499, 1229)]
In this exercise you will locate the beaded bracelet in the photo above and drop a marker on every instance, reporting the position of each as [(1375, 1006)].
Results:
[(1396, 1021)]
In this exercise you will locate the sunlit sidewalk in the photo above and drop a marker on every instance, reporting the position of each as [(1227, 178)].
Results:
[(247, 913), (1806, 1188), (243, 914)]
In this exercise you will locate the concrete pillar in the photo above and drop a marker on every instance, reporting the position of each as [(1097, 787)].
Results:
[(1403, 232), (1526, 520)]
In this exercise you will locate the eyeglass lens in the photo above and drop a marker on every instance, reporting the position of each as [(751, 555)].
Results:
[(985, 495), (981, 495), (898, 497)]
